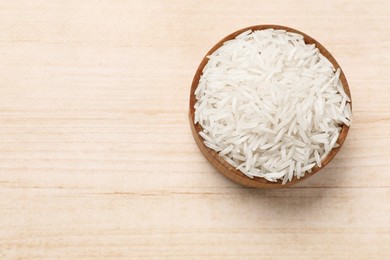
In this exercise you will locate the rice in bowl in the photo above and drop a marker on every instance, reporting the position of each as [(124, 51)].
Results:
[(271, 105)]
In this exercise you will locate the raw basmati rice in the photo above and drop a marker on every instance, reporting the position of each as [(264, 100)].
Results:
[(271, 105)]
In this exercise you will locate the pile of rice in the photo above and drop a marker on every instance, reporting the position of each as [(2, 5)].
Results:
[(271, 105)]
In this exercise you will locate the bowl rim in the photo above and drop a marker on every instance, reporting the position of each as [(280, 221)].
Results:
[(216, 160)]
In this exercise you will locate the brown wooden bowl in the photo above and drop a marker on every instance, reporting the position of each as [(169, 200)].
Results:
[(217, 161)]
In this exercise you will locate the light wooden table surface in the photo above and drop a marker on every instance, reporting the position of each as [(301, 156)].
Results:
[(96, 153)]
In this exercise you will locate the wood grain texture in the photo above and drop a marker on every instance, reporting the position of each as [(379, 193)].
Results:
[(217, 161), (97, 159)]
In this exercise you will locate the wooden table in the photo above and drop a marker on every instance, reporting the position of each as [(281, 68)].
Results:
[(96, 153)]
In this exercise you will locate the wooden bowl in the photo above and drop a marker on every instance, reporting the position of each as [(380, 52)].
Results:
[(217, 161)]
